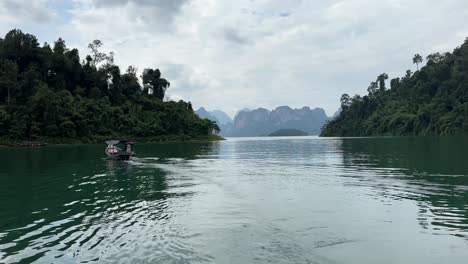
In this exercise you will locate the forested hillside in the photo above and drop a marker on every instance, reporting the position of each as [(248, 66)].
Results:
[(49, 92), (431, 101)]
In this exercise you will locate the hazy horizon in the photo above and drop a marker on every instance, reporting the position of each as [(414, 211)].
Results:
[(248, 54), (269, 109)]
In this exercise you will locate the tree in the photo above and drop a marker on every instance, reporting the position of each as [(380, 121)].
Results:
[(20, 47), (433, 101), (435, 58), (60, 47), (372, 89), (115, 84), (407, 76), (417, 59), (153, 82), (395, 83), (381, 80), (49, 93), (97, 56), (130, 82), (345, 101), (216, 128), (8, 79)]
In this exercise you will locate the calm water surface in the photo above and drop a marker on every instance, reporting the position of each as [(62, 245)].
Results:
[(255, 200)]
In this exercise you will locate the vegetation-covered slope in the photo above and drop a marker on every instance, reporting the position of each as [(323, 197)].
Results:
[(49, 92), (431, 101)]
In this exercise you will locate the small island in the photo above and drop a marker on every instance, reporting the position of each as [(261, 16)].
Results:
[(288, 133)]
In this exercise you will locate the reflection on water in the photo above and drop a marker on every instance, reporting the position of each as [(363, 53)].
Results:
[(257, 200), (432, 171), (75, 203)]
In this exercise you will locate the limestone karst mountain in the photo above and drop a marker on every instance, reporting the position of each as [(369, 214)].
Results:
[(262, 122)]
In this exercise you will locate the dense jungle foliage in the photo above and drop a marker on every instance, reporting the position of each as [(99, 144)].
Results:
[(431, 101), (50, 93)]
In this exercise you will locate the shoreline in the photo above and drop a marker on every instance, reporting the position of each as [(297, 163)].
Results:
[(41, 142)]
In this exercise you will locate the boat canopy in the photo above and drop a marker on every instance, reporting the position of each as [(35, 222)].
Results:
[(112, 142), (115, 142)]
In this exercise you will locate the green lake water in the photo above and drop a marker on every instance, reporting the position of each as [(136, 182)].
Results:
[(251, 200)]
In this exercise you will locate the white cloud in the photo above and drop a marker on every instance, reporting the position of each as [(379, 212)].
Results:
[(234, 54)]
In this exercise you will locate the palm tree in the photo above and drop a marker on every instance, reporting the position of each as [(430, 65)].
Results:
[(417, 59)]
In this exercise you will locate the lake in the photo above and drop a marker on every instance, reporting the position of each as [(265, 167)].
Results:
[(244, 200)]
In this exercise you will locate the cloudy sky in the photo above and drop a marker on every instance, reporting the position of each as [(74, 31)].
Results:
[(228, 55)]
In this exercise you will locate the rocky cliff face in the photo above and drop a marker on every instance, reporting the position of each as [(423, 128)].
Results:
[(221, 116), (222, 119), (216, 115), (203, 113), (262, 122)]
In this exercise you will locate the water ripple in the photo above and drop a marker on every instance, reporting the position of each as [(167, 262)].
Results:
[(304, 200)]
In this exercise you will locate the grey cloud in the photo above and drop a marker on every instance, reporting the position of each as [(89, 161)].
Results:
[(233, 35), (12, 6), (176, 71), (182, 78), (35, 11), (229, 55), (165, 9), (163, 4)]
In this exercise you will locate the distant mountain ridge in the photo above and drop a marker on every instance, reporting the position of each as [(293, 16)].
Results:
[(262, 122), (203, 113), (221, 118), (216, 115)]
